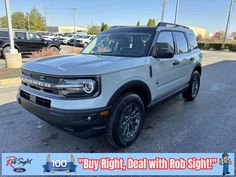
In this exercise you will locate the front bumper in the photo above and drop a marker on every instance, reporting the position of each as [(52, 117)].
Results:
[(86, 122)]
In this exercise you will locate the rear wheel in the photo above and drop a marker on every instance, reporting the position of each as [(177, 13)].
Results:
[(126, 120), (193, 89), (55, 50)]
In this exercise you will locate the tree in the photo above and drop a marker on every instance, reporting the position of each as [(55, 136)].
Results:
[(93, 30), (36, 20), (104, 27), (18, 20), (3, 22), (234, 35), (154, 22), (151, 22), (138, 23)]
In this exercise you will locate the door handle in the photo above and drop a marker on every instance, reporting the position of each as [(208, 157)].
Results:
[(176, 62)]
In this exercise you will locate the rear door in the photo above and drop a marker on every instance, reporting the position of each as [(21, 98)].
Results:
[(184, 56), (35, 42), (22, 42)]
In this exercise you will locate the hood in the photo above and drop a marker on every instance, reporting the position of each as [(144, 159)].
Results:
[(82, 64)]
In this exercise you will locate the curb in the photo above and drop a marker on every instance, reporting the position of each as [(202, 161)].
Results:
[(10, 82)]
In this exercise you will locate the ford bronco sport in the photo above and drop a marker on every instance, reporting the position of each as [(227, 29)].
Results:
[(110, 85)]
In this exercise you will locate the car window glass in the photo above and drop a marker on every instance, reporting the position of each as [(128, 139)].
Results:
[(165, 40), (20, 35), (34, 36), (181, 42), (4, 34), (119, 44), (192, 41)]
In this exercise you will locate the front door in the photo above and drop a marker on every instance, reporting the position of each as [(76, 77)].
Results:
[(166, 71)]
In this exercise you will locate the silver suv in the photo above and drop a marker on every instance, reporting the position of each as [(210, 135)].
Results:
[(110, 85)]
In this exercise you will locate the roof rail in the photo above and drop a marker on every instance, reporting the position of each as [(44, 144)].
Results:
[(113, 27), (165, 24)]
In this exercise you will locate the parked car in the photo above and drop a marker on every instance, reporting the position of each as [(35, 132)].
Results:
[(52, 36), (25, 42), (114, 81), (66, 38), (83, 41), (72, 40)]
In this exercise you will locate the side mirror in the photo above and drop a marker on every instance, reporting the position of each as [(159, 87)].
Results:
[(162, 52), (165, 53)]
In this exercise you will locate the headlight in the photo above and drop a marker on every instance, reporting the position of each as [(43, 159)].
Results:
[(78, 87)]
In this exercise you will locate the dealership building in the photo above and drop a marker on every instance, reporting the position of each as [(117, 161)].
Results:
[(66, 29)]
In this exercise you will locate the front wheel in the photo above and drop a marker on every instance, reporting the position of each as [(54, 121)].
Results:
[(5, 51), (126, 120), (192, 91)]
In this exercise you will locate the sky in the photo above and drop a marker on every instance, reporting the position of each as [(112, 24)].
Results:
[(209, 14)]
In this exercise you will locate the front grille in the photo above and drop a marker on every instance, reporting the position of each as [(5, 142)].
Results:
[(41, 78)]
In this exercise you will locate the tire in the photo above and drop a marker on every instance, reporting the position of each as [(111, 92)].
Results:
[(5, 50), (54, 49), (126, 120), (192, 91), (85, 44)]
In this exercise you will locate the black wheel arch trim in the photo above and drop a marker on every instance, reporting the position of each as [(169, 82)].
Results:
[(53, 45), (8, 44), (126, 88), (198, 66)]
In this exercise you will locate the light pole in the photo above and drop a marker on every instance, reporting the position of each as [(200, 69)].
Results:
[(13, 58), (10, 31), (74, 12), (176, 11), (163, 10), (228, 22)]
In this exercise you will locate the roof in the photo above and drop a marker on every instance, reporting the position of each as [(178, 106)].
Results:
[(147, 29), (131, 29)]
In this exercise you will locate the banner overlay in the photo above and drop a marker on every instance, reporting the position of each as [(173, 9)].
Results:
[(118, 164)]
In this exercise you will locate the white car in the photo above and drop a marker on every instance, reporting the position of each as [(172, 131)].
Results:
[(65, 39), (52, 36), (83, 41), (112, 83)]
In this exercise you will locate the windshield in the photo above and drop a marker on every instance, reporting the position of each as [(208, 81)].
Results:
[(51, 34), (119, 44)]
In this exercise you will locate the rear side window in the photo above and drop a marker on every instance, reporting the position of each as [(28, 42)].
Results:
[(192, 41), (4, 34), (20, 35), (165, 40), (182, 45)]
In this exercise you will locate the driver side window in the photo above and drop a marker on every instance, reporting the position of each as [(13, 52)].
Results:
[(165, 40)]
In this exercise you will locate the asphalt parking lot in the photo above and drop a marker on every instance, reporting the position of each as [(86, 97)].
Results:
[(206, 125)]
